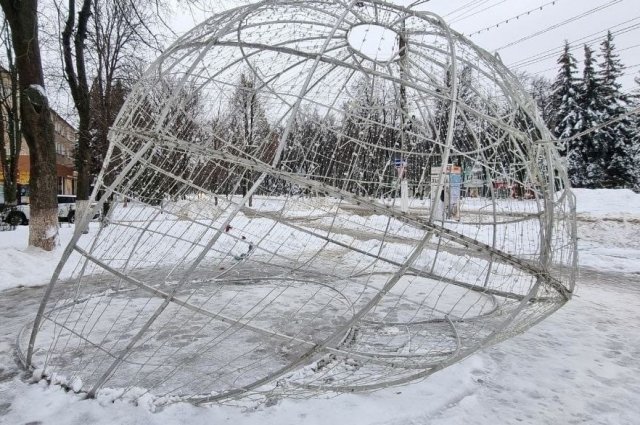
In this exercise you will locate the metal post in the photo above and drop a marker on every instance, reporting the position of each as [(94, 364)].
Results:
[(404, 184)]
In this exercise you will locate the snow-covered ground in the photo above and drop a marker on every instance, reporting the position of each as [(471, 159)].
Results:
[(578, 366), (609, 230)]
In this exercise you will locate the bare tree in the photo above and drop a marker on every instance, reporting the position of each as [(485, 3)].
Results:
[(101, 47), (118, 40), (76, 74), (9, 122), (248, 124), (37, 126)]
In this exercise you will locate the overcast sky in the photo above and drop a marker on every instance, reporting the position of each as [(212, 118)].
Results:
[(469, 16)]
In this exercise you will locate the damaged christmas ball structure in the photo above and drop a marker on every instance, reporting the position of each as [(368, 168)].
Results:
[(309, 196)]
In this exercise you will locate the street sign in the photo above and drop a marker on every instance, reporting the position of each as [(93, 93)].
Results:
[(400, 163)]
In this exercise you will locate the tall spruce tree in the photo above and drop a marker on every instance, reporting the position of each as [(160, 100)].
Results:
[(585, 165), (615, 140), (564, 97), (635, 103)]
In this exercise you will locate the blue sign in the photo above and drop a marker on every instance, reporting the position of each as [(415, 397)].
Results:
[(400, 163)]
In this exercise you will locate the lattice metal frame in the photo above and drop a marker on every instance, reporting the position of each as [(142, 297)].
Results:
[(286, 218)]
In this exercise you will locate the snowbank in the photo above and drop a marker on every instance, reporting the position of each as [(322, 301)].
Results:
[(21, 265), (621, 204), (609, 230)]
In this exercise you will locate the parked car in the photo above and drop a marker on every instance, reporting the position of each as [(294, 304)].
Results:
[(8, 216), (14, 215), (67, 208), (21, 214)]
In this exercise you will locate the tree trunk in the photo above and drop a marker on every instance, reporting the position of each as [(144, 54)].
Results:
[(10, 154), (37, 126), (15, 140), (77, 79), (83, 165), (9, 169)]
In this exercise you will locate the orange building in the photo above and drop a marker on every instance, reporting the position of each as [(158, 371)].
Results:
[(65, 140)]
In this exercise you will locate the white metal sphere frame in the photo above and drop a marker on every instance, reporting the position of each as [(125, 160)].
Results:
[(309, 196)]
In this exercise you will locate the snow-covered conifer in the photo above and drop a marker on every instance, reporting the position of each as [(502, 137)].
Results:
[(635, 103), (564, 97), (615, 140), (586, 166)]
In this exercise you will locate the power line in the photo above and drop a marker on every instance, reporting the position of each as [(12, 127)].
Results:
[(575, 44), (478, 12), (464, 6), (506, 21), (625, 68), (560, 24), (470, 10), (584, 40)]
